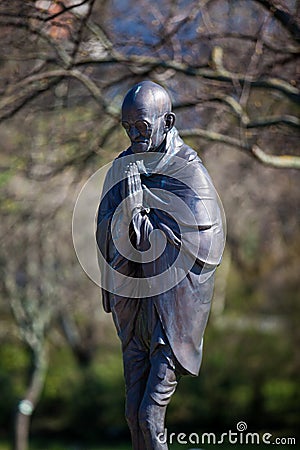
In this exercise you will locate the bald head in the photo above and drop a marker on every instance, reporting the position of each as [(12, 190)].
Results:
[(150, 94), (147, 116)]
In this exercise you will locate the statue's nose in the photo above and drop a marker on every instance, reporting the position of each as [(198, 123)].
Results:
[(133, 133)]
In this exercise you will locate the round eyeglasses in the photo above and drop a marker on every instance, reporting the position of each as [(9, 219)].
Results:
[(143, 127)]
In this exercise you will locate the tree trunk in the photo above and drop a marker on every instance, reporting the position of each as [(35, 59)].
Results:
[(27, 406)]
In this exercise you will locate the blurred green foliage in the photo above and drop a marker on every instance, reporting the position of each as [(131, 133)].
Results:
[(246, 375)]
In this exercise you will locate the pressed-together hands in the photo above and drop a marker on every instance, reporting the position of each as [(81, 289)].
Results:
[(134, 202)]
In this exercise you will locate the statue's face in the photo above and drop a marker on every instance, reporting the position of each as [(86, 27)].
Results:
[(144, 123)]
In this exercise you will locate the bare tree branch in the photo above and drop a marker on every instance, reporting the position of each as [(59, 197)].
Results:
[(272, 83), (214, 136), (283, 15), (282, 161), (79, 33), (288, 48), (41, 79), (274, 120), (219, 73), (20, 95), (19, 22)]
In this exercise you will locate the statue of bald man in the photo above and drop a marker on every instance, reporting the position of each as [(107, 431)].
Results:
[(160, 323)]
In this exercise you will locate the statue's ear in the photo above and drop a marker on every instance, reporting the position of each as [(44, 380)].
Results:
[(169, 121)]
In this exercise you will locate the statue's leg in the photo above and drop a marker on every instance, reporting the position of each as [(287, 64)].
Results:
[(136, 372), (161, 385)]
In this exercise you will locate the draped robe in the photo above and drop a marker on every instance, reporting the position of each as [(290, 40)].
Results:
[(171, 178)]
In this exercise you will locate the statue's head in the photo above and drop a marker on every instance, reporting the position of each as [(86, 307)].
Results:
[(147, 116)]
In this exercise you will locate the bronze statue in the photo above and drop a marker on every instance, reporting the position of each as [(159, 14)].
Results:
[(161, 233)]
